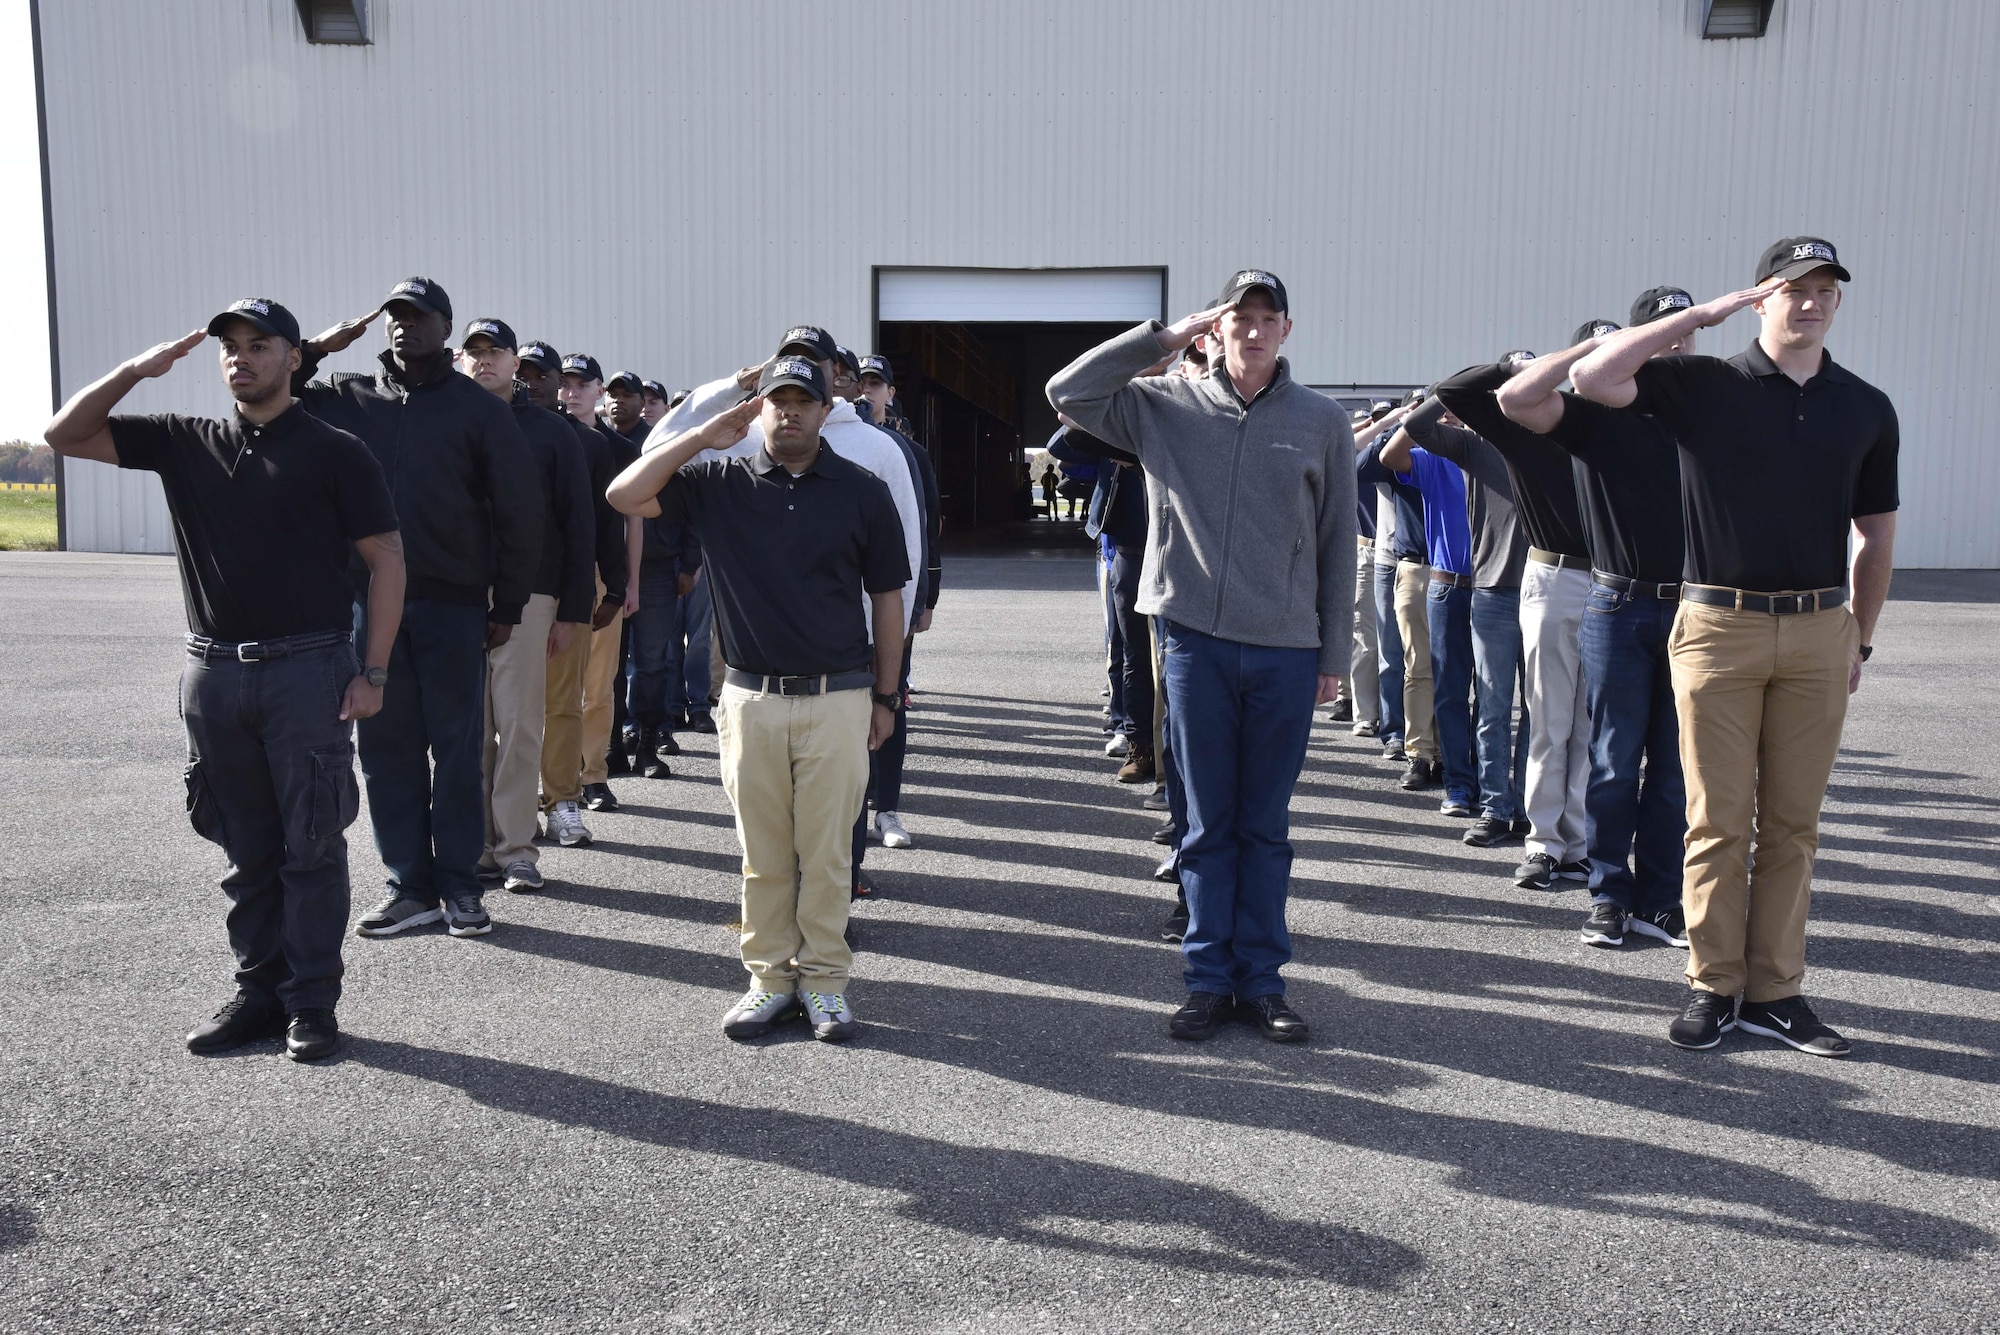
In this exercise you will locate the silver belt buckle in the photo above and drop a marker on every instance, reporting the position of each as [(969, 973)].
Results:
[(243, 652)]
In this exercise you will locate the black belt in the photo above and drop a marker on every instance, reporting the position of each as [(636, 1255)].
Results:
[(1455, 581), (259, 651), (1549, 558), (1777, 604), (824, 684), (1403, 560), (1666, 593)]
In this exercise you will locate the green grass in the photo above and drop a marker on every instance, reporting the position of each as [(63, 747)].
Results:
[(27, 521)]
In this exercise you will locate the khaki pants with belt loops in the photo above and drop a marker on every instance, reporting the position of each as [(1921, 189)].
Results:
[(796, 770)]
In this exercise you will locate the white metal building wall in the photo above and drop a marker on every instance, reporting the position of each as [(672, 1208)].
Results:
[(666, 183)]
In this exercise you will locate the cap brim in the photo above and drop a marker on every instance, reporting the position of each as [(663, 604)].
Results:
[(1800, 268), (220, 322), (405, 299)]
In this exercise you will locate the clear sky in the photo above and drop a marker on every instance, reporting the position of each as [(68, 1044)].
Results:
[(24, 332)]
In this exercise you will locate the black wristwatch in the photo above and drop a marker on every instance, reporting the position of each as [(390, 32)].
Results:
[(377, 677), (891, 702), (1866, 650)]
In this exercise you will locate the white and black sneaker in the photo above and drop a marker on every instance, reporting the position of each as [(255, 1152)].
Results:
[(465, 915), (523, 876), (1605, 926), (1578, 870), (1703, 1021), (1791, 1021), (1668, 925), (1536, 872), (829, 1015), (397, 913), (566, 825), (758, 1012)]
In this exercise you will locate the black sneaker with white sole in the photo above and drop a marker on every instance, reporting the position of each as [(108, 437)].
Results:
[(1703, 1021), (465, 915), (1791, 1021), (1578, 871), (397, 913), (1668, 925), (1536, 872), (1605, 926), (1489, 831)]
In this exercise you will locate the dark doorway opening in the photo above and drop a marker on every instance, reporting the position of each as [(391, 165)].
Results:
[(977, 394)]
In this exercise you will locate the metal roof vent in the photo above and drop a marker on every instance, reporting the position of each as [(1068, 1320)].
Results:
[(1735, 18), (337, 22)]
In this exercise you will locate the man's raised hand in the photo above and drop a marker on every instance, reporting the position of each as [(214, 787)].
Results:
[(156, 360), (1183, 332), (1712, 313), (747, 378), (729, 428), (342, 334)]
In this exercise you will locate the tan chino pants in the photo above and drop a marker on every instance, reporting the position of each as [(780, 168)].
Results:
[(562, 735), (1761, 700), (600, 681), (516, 708), (1413, 591)]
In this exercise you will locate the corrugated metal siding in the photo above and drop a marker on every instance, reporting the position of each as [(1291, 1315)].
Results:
[(1435, 180)]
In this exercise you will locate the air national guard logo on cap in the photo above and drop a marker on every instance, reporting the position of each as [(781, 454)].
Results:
[(261, 307), (486, 327), (1796, 256), (1245, 279), (1814, 250), (792, 366), (262, 312), (1673, 301), (793, 371)]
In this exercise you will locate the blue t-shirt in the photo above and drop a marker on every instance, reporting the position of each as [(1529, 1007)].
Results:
[(1447, 532)]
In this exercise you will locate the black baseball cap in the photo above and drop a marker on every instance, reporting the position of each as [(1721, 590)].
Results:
[(848, 360), (1797, 256), (876, 364), (815, 342), (782, 370), (657, 390), (1592, 329), (583, 364), (422, 293), (1657, 303), (628, 381), (1516, 355), (542, 355), (499, 331), (263, 312), (1246, 280)]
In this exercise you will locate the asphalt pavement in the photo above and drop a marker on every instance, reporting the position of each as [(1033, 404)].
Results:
[(544, 1130)]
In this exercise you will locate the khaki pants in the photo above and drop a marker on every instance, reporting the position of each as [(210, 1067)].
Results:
[(562, 736), (796, 771), (1362, 686), (1761, 700), (516, 705), (1413, 591), (600, 683), (1552, 602)]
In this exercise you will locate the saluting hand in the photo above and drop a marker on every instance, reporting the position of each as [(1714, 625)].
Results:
[(748, 377), (342, 334), (1182, 333), (730, 428), (1712, 313), (158, 359)]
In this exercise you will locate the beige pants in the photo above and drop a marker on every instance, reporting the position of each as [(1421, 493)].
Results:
[(1413, 591), (562, 737), (516, 705), (599, 684), (1761, 700), (1362, 686), (796, 770)]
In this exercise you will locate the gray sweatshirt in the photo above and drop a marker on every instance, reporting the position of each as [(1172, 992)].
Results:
[(1252, 532)]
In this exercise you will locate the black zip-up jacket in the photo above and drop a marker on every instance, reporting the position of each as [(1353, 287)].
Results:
[(468, 495), (569, 528), (605, 462)]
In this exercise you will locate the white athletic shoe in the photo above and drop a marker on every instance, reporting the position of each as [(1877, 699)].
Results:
[(890, 826), (1118, 746), (567, 824)]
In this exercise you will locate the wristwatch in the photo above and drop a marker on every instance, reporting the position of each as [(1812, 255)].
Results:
[(377, 677), (891, 702), (1866, 650)]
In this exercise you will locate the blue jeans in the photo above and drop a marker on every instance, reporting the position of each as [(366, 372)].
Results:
[(688, 651), (652, 630), (1449, 615), (430, 828), (1389, 641), (1170, 756), (1242, 715), (1497, 663), (270, 777), (1636, 804)]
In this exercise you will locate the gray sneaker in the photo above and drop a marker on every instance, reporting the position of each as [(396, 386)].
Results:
[(397, 913), (523, 876), (827, 1013), (757, 1013), (465, 915), (566, 824)]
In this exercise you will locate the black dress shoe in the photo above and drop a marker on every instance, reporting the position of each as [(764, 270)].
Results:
[(1420, 775), (664, 743), (617, 760), (598, 797), (1165, 835), (702, 723), (1278, 1021), (1343, 711), (313, 1035), (1200, 1016), (651, 764), (243, 1019)]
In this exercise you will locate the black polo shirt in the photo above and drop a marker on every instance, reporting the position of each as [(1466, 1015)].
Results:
[(1629, 482), (1772, 471), (1544, 479), (792, 558), (265, 517)]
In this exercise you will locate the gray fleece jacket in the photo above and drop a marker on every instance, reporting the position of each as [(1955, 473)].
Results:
[(1252, 532)]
